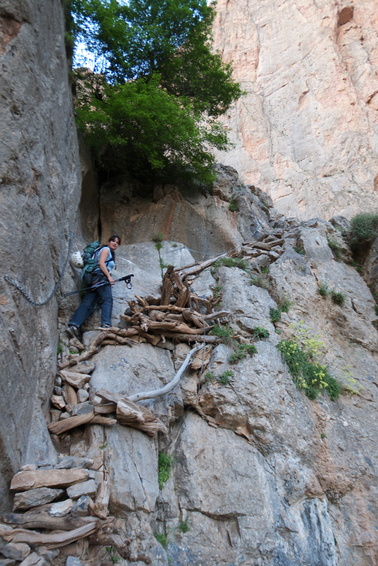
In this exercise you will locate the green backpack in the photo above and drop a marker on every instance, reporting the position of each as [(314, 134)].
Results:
[(90, 258)]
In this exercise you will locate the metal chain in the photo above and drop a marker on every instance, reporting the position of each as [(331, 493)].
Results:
[(26, 294), (72, 235)]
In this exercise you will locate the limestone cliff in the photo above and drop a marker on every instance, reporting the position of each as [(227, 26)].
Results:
[(40, 191), (260, 474), (306, 129)]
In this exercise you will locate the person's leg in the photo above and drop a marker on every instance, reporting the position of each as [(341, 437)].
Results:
[(86, 307), (105, 298)]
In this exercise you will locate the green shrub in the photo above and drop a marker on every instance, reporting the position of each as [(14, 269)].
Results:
[(162, 538), (260, 281), (159, 237), (233, 206), (275, 315), (364, 228), (376, 309), (308, 374), (164, 468), (242, 351), (184, 526), (299, 250), (336, 248), (224, 378), (323, 290), (338, 298), (209, 376), (222, 331), (231, 262), (284, 305), (260, 333)]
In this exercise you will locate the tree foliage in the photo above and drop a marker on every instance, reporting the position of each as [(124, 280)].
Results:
[(154, 110)]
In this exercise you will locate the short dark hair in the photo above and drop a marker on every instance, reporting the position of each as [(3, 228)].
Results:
[(113, 238)]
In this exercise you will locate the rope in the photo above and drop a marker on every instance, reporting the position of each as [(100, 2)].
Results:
[(25, 293)]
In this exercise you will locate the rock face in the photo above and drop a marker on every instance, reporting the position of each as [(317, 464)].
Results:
[(259, 473), (40, 191), (306, 129), (204, 222)]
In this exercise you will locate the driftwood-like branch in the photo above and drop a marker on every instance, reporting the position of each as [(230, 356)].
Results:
[(51, 540), (179, 337), (167, 388), (198, 268), (130, 414), (137, 416), (93, 349), (42, 520), (69, 423)]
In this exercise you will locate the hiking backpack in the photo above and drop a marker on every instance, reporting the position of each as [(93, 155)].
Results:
[(90, 259)]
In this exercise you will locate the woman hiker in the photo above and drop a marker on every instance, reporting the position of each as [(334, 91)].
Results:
[(101, 294)]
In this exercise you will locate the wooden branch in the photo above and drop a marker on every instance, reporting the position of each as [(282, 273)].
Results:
[(100, 506), (166, 288), (93, 349), (179, 337), (198, 268), (69, 393), (109, 396), (170, 308), (42, 520), (167, 388), (51, 540), (105, 409), (69, 423), (137, 416), (105, 421), (216, 314)]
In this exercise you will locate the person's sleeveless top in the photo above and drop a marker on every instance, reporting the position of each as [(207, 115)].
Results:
[(109, 260)]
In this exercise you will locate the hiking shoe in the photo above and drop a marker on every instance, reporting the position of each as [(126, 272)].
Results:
[(73, 331)]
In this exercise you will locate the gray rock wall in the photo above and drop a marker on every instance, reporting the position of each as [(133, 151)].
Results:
[(260, 474), (40, 191)]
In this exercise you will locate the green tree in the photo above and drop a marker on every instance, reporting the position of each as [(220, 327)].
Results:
[(154, 114)]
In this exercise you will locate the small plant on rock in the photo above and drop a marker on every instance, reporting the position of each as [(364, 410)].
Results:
[(336, 248), (260, 281), (233, 206), (184, 526), (275, 315), (242, 351), (323, 290), (299, 250), (284, 304), (223, 331), (209, 376), (224, 378), (338, 298), (162, 538), (303, 354), (164, 468), (231, 262), (260, 332)]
